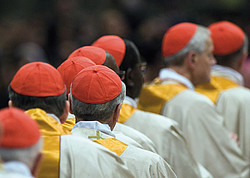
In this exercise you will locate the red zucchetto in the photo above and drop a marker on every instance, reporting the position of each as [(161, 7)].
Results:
[(38, 79), (71, 67), (227, 37), (114, 45), (97, 84), (177, 37)]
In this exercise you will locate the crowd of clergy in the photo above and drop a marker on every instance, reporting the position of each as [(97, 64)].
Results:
[(94, 116)]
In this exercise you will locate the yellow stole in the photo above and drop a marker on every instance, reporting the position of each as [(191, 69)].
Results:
[(69, 124), (51, 131), (126, 112), (154, 96), (225, 83), (113, 145), (213, 89)]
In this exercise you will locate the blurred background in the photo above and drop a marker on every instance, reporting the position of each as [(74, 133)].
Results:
[(50, 30)]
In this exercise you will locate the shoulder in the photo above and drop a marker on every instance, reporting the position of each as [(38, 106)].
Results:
[(193, 98), (155, 119), (137, 136)]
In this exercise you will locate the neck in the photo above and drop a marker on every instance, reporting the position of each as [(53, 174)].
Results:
[(111, 125), (182, 71)]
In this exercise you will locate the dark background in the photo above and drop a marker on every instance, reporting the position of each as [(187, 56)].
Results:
[(50, 30)]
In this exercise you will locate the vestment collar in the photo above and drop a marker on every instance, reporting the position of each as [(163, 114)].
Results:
[(168, 73), (218, 70), (94, 125), (17, 167)]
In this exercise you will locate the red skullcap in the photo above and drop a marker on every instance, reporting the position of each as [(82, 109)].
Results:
[(97, 55), (114, 45), (97, 84), (19, 130), (227, 37), (38, 79), (177, 37), (71, 67)]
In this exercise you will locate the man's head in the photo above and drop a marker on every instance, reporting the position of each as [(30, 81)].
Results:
[(39, 85), (114, 45), (71, 67), (98, 55), (230, 44), (20, 139), (133, 67), (97, 94), (127, 56), (188, 47)]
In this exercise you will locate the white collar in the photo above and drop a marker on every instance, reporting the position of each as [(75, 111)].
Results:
[(130, 101), (70, 116), (94, 125), (17, 167), (168, 73), (218, 70), (54, 117)]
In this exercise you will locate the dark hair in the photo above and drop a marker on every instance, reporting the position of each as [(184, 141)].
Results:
[(50, 104), (228, 60), (131, 57), (96, 112)]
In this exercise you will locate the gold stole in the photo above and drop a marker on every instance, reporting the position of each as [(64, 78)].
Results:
[(51, 131), (69, 124), (213, 89), (154, 96), (126, 112), (113, 145), (225, 83)]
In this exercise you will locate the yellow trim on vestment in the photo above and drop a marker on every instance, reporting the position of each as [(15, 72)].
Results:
[(51, 131), (225, 83), (69, 124), (154, 96), (126, 112), (213, 89), (113, 145)]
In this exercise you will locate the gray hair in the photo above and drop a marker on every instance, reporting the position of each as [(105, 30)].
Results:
[(197, 43), (96, 112), (25, 155)]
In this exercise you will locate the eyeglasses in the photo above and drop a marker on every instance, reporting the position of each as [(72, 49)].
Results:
[(121, 74), (142, 67)]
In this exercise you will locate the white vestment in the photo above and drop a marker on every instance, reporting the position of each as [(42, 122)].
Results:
[(234, 104), (202, 127), (167, 137), (140, 162), (70, 156)]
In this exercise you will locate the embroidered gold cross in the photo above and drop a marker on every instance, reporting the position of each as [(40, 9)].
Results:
[(98, 137)]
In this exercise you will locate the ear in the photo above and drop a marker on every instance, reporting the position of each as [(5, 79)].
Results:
[(117, 112), (10, 103), (37, 163), (70, 106), (243, 58), (116, 116), (65, 114), (191, 59), (129, 78)]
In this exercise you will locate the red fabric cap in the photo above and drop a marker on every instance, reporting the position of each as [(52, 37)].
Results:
[(177, 37), (38, 79), (97, 84), (114, 45), (227, 37), (97, 55), (18, 129), (71, 67)]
